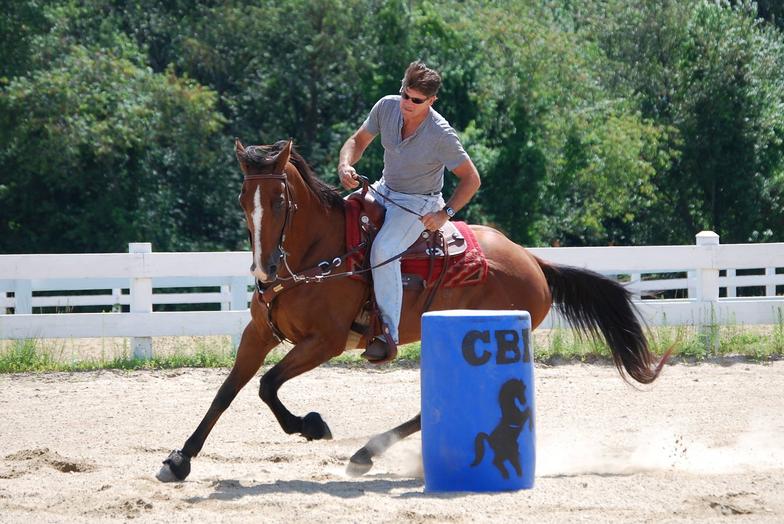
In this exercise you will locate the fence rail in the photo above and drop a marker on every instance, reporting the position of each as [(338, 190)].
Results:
[(705, 275)]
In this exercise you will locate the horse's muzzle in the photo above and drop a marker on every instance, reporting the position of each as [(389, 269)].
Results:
[(263, 276), (273, 263), (269, 270)]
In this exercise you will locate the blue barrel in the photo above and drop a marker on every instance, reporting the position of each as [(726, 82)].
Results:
[(477, 374)]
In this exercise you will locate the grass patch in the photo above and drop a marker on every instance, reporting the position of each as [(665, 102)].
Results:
[(24, 355), (39, 356), (757, 343)]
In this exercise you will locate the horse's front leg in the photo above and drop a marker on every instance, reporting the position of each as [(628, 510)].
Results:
[(306, 355), (362, 460), (254, 346)]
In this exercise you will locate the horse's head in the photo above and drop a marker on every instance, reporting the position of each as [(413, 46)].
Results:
[(266, 200), (512, 396)]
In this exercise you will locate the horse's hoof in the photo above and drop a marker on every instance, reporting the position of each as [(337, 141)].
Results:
[(176, 467), (359, 464), (166, 474), (314, 427)]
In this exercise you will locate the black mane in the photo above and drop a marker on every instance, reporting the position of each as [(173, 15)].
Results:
[(263, 156)]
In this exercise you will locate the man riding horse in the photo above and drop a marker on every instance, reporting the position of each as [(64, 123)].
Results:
[(297, 226), (418, 143)]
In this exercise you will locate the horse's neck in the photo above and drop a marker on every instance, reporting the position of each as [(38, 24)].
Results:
[(321, 232)]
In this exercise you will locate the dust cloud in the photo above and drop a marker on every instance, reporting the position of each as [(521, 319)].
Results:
[(657, 449)]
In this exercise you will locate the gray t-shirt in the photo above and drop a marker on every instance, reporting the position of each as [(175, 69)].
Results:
[(416, 164)]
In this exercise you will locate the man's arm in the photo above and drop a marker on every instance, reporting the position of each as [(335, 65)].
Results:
[(466, 188), (350, 154)]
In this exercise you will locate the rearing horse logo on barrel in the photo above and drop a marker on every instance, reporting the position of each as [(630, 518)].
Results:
[(503, 439)]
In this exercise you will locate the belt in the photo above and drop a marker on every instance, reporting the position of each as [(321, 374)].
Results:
[(432, 194)]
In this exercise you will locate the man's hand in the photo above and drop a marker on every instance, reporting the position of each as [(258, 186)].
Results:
[(434, 221), (348, 176)]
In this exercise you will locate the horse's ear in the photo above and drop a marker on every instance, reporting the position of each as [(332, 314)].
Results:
[(283, 157), (239, 149)]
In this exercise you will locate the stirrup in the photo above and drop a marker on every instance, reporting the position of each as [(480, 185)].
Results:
[(382, 348)]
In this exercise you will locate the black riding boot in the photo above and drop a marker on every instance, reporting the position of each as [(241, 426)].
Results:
[(382, 348)]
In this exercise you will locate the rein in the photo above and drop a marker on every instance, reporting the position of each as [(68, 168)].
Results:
[(367, 185)]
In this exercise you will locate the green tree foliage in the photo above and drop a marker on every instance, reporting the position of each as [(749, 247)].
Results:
[(591, 122), (98, 151), (771, 11), (285, 69), (19, 25), (710, 76), (731, 87), (550, 144)]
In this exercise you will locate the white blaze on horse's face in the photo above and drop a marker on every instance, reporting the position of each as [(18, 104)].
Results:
[(256, 218)]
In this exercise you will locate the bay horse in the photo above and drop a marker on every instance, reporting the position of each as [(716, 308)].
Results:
[(297, 222)]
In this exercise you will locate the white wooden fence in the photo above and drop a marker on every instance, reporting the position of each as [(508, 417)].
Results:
[(29, 283)]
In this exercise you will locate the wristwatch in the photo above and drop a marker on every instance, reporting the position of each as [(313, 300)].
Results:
[(449, 211)]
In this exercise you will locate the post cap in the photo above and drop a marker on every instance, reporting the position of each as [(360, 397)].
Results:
[(707, 238), (140, 247)]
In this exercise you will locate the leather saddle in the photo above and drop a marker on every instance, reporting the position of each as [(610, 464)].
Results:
[(429, 257), (447, 242)]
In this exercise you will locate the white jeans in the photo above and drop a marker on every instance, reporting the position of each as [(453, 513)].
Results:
[(400, 230)]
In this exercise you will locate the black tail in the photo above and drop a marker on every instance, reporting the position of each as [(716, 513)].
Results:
[(598, 305), (479, 446)]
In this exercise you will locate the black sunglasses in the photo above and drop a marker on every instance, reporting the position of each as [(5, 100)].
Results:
[(412, 98)]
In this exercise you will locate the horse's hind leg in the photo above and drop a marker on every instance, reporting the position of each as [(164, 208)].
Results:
[(362, 460), (498, 462), (515, 461), (306, 355), (254, 346)]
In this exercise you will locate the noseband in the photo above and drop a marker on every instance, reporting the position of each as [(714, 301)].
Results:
[(291, 207)]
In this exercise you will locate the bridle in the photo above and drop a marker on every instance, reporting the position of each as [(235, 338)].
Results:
[(291, 207)]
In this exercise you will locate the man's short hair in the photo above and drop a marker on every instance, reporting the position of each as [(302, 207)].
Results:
[(421, 78)]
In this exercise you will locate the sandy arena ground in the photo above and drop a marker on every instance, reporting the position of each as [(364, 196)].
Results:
[(704, 444)]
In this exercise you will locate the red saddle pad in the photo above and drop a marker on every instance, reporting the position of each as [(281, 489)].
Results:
[(466, 269)]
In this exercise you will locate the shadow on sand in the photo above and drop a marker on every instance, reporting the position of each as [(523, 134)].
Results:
[(347, 489), (235, 490)]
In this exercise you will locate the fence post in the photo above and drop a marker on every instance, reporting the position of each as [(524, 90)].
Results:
[(116, 300), (691, 277), (707, 277), (732, 289), (225, 304), (635, 281), (708, 291), (239, 301), (23, 297), (770, 287), (141, 302)]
